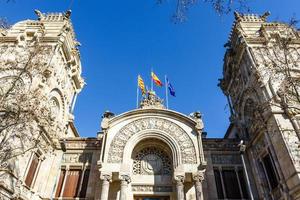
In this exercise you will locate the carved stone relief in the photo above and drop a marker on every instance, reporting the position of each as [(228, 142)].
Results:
[(77, 158), (152, 161), (169, 128), (54, 108), (151, 188)]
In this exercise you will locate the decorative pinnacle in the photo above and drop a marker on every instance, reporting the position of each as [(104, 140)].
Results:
[(265, 15), (68, 14), (39, 14), (237, 16)]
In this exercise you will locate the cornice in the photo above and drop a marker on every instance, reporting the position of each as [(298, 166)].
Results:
[(154, 112), (82, 143), (218, 144)]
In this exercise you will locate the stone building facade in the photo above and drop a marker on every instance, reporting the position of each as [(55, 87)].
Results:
[(154, 153)]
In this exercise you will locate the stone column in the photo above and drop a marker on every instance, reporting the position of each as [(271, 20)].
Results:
[(198, 178), (105, 178), (125, 180), (179, 187)]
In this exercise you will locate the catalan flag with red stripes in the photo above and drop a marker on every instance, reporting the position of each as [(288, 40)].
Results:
[(141, 84)]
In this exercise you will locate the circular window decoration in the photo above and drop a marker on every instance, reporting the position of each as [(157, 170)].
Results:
[(152, 161)]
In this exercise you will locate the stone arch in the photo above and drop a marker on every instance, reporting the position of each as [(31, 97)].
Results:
[(158, 135), (183, 149)]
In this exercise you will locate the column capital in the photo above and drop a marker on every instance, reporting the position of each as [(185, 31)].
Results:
[(199, 176), (125, 177), (179, 178), (179, 186), (106, 177)]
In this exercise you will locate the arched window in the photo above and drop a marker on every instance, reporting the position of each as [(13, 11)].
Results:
[(249, 109)]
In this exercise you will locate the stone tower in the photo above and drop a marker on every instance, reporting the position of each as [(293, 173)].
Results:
[(261, 81), (40, 61)]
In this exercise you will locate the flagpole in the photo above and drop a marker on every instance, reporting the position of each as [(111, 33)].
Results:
[(137, 94), (166, 86)]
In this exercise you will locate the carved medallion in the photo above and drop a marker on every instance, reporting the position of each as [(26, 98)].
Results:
[(152, 164), (152, 161)]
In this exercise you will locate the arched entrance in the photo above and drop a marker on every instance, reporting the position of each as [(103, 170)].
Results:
[(149, 155), (152, 170)]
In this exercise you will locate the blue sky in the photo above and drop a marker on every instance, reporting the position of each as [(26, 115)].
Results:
[(123, 38)]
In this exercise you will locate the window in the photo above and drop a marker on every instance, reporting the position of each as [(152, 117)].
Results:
[(230, 184), (218, 184), (270, 171), (32, 171), (60, 182), (84, 183), (72, 183), (243, 183)]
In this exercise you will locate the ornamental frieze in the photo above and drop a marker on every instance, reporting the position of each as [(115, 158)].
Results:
[(169, 128), (226, 159), (77, 158), (151, 188)]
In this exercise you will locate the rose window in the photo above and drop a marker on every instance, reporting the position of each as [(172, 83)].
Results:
[(152, 161)]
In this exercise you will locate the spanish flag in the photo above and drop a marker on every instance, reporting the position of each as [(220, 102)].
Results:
[(141, 84), (156, 80)]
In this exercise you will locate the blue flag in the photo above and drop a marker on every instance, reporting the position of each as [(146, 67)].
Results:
[(171, 89)]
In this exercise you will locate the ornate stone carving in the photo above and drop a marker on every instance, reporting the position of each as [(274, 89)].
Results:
[(151, 160), (77, 158), (106, 177), (125, 177), (83, 144), (179, 186), (54, 108), (151, 188), (169, 128), (179, 178), (199, 176), (151, 101)]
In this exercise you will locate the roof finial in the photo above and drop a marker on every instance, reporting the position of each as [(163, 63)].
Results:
[(265, 15), (39, 14), (237, 16), (68, 14)]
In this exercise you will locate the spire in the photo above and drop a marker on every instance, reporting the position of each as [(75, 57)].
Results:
[(151, 100)]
